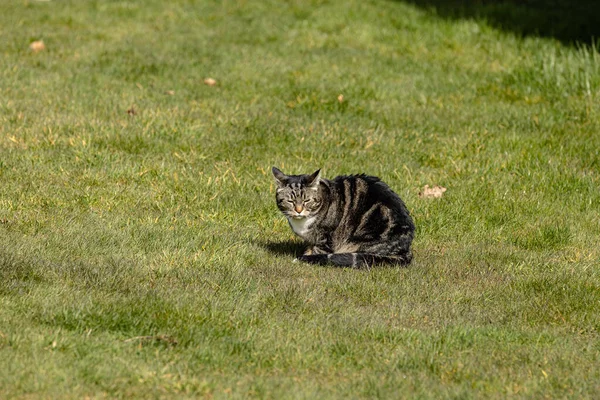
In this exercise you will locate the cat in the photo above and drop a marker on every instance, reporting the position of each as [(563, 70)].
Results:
[(350, 221)]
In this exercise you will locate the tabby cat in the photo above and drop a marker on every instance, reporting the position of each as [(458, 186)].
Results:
[(352, 221)]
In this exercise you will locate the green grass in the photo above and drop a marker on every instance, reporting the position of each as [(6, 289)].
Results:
[(143, 255)]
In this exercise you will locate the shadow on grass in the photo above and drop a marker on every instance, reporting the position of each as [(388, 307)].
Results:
[(565, 20), (284, 248)]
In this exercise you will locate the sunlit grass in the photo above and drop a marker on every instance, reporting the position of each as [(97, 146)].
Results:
[(141, 254)]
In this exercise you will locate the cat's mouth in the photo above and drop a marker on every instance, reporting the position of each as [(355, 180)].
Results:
[(298, 216)]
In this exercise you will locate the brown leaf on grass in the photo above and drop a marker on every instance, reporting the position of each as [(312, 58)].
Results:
[(432, 192), (210, 82), (170, 92), (37, 46)]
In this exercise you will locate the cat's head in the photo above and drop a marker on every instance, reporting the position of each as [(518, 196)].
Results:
[(298, 196)]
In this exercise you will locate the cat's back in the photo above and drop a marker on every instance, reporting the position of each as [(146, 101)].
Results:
[(363, 190), (364, 198)]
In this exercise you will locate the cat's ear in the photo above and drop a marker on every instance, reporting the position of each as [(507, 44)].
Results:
[(280, 177), (314, 178)]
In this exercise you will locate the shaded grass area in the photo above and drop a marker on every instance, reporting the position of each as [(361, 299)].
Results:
[(142, 255), (569, 22)]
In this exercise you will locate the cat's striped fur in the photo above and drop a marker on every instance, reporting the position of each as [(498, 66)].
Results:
[(352, 221)]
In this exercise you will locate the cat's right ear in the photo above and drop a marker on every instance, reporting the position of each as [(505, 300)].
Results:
[(280, 177)]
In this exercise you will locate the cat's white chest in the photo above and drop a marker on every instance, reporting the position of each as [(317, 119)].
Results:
[(301, 226)]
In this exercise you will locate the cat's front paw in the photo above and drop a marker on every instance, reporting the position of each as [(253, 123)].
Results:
[(315, 259)]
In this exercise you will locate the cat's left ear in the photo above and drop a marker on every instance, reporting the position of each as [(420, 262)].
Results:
[(280, 177), (314, 178)]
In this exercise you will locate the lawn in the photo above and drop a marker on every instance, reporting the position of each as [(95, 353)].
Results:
[(141, 251)]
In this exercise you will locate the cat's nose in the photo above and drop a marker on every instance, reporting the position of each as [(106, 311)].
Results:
[(298, 208)]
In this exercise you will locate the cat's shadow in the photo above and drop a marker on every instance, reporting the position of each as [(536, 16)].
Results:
[(284, 248)]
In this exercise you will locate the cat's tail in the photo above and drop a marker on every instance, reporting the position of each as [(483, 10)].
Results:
[(356, 260)]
